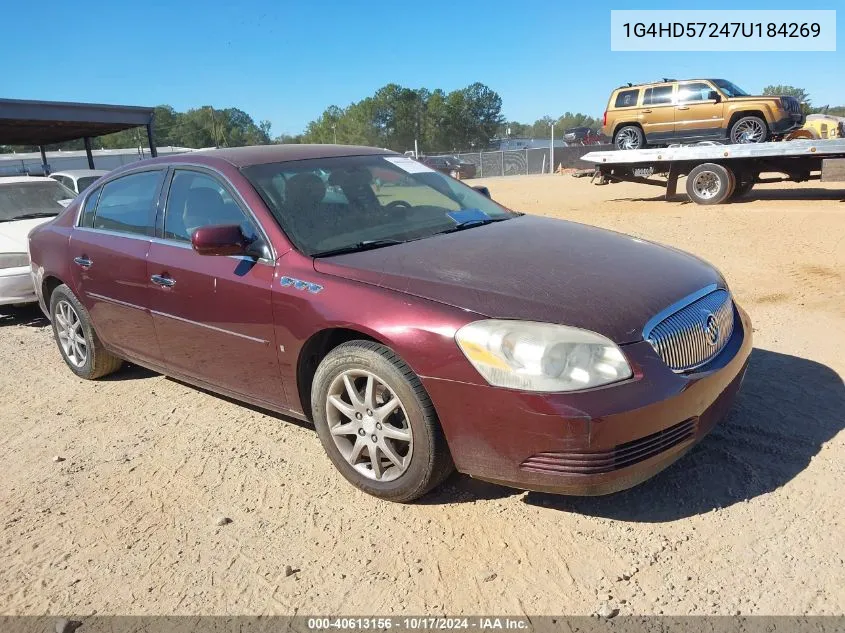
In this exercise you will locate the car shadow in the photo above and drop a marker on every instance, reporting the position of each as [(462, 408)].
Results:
[(29, 315), (816, 193), (787, 409)]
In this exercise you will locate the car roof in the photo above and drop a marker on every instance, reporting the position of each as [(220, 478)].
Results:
[(79, 173), (261, 154), (5, 180)]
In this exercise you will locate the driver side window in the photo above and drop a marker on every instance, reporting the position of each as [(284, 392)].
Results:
[(195, 200)]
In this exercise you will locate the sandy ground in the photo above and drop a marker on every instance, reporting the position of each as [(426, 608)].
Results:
[(751, 521)]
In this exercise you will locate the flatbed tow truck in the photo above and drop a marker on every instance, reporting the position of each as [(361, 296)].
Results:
[(718, 173)]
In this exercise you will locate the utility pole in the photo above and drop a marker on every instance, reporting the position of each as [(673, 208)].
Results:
[(334, 129), (552, 151)]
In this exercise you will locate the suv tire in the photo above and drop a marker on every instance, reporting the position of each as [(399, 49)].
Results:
[(749, 129), (629, 137)]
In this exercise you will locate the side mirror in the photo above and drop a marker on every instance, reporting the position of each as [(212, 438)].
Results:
[(715, 96), (222, 239), (484, 191)]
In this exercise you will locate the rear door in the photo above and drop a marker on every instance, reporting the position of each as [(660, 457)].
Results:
[(697, 116), (109, 252), (657, 116), (213, 315)]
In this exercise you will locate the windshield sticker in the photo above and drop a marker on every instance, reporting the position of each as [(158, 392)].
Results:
[(408, 165), (468, 215), (65, 202)]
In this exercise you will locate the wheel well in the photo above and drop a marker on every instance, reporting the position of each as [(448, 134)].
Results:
[(619, 126), (314, 351), (738, 115), (48, 285)]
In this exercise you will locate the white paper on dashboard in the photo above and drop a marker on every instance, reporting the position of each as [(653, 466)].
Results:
[(407, 164)]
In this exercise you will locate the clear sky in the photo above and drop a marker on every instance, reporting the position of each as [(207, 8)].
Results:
[(286, 60)]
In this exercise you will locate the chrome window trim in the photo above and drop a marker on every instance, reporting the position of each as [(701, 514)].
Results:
[(210, 327), (131, 236), (230, 187), (163, 241), (678, 305)]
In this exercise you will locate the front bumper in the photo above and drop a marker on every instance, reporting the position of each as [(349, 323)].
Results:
[(593, 442), (16, 286), (787, 123)]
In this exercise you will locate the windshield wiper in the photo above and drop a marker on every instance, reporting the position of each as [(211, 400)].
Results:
[(366, 245), (469, 224), (29, 216)]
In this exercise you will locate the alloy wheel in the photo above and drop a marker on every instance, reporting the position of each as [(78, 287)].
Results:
[(369, 425), (707, 185), (628, 139), (70, 333), (748, 131)]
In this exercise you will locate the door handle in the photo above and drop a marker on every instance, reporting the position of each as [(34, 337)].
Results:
[(648, 110), (683, 107), (161, 280), (83, 261)]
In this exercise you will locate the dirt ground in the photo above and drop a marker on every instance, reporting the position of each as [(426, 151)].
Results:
[(751, 521)]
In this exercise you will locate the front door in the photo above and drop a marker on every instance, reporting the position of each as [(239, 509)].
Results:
[(697, 115), (213, 315), (657, 116), (109, 252)]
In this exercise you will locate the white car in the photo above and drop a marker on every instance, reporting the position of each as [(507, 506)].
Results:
[(78, 180), (25, 202)]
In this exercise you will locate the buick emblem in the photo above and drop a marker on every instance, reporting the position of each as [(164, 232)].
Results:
[(711, 329)]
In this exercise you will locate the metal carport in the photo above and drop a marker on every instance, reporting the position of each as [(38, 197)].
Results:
[(47, 122)]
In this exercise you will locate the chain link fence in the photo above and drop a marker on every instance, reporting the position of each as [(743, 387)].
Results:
[(522, 162)]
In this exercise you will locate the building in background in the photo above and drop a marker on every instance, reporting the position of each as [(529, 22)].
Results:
[(23, 163)]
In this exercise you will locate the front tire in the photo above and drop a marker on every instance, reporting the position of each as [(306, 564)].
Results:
[(629, 137), (78, 343), (377, 424), (749, 129)]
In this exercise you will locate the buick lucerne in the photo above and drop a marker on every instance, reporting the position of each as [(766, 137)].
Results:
[(420, 325)]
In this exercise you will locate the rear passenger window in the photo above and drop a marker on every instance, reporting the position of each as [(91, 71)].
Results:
[(90, 206), (658, 95), (627, 98), (127, 204)]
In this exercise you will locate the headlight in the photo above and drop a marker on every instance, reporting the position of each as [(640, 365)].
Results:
[(541, 356), (13, 260)]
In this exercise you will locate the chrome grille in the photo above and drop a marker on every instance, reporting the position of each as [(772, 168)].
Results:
[(693, 331)]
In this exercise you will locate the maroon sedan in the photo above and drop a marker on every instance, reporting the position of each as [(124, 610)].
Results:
[(418, 324)]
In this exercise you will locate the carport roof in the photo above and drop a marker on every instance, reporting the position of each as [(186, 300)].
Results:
[(47, 122)]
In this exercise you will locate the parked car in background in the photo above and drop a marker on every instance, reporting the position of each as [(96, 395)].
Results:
[(583, 136), (693, 110), (453, 166), (78, 179), (25, 202), (420, 328)]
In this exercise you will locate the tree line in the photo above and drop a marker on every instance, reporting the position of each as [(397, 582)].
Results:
[(394, 117)]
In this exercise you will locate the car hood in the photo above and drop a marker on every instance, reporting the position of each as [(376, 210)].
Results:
[(537, 269), (13, 235)]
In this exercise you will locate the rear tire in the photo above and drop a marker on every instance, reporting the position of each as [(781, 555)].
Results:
[(78, 343), (710, 183), (398, 452), (629, 137)]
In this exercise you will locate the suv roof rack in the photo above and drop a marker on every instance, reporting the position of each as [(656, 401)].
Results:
[(648, 83)]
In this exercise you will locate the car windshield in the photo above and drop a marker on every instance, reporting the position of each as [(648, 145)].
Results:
[(40, 198), (356, 202), (731, 90)]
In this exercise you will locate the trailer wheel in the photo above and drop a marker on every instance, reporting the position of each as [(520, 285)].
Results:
[(710, 184)]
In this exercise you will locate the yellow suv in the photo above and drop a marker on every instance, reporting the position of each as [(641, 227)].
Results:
[(693, 110)]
